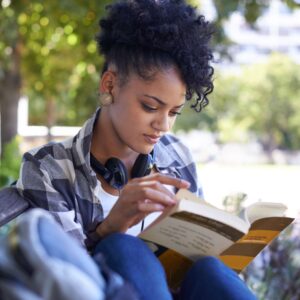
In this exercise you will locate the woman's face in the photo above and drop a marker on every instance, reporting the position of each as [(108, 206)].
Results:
[(143, 111)]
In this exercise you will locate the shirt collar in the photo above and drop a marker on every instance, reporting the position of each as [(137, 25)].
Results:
[(82, 146)]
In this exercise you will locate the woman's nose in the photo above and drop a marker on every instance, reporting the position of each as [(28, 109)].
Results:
[(162, 123)]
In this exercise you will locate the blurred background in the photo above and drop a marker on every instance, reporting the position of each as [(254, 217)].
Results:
[(246, 142)]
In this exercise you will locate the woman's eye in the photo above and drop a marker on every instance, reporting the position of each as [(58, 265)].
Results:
[(175, 113), (148, 108)]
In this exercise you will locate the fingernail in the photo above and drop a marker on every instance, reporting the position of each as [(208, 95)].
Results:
[(159, 207), (186, 183), (172, 201)]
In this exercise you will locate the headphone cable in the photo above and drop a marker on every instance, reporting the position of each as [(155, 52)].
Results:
[(143, 222)]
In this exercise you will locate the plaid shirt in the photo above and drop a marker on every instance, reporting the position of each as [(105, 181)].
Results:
[(58, 177)]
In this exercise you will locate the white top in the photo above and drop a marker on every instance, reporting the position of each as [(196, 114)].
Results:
[(108, 201)]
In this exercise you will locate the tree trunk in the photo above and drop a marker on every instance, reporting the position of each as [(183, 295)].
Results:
[(10, 87), (51, 116), (9, 98), (269, 146)]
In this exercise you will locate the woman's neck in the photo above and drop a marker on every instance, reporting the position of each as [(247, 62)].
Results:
[(106, 142)]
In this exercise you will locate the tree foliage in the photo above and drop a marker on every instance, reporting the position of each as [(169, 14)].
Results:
[(261, 99), (269, 102), (47, 51), (10, 163), (60, 64)]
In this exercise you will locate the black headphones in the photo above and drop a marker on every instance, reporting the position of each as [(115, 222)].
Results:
[(114, 171)]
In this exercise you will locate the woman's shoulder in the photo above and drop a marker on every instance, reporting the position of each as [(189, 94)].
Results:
[(173, 141), (51, 150), (52, 157), (171, 145)]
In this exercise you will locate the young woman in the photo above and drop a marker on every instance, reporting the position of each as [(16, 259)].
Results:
[(122, 169)]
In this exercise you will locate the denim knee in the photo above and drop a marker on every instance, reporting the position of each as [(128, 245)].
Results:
[(120, 246), (130, 257), (210, 265), (211, 268), (118, 240), (214, 281)]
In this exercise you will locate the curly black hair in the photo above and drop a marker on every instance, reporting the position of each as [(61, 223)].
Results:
[(146, 35)]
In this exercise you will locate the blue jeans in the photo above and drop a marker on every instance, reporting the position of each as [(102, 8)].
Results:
[(208, 278)]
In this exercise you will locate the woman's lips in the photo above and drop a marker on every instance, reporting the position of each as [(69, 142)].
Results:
[(152, 139)]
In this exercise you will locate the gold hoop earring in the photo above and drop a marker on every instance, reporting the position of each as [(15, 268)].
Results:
[(105, 99)]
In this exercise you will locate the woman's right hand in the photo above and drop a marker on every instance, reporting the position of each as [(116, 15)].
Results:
[(140, 197)]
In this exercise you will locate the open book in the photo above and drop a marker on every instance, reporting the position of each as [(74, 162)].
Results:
[(194, 228)]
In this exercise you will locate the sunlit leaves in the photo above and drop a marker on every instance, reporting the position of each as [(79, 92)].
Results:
[(261, 99), (60, 63), (58, 53)]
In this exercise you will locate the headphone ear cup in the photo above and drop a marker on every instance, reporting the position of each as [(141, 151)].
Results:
[(118, 171), (99, 168), (142, 166)]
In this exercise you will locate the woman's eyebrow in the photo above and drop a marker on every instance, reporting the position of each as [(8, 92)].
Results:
[(162, 102)]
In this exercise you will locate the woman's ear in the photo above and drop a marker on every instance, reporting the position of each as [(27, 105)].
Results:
[(108, 82)]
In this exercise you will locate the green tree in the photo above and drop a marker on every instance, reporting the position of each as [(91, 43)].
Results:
[(47, 51), (10, 163), (269, 102), (218, 115), (261, 100)]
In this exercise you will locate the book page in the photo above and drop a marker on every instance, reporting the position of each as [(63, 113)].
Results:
[(192, 235), (187, 201), (260, 210)]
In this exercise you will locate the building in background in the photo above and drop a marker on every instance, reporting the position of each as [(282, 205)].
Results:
[(277, 29)]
